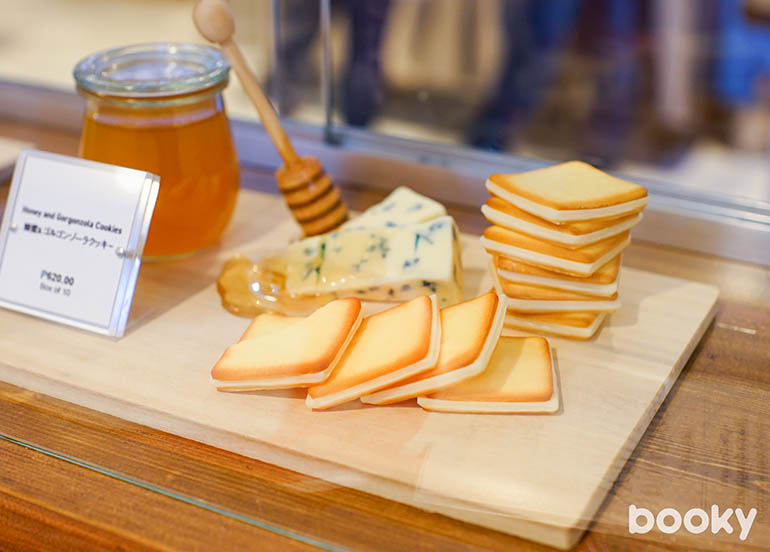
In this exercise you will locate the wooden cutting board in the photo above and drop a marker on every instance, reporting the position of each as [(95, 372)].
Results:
[(541, 477)]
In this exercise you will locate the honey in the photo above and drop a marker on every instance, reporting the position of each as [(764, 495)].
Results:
[(198, 169), (158, 108), (248, 289)]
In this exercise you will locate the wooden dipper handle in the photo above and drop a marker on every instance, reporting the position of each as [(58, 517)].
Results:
[(307, 189), (214, 21)]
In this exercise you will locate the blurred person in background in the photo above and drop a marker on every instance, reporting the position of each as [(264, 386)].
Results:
[(608, 81), (297, 69), (535, 33)]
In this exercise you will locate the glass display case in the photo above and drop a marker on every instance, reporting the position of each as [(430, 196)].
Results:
[(668, 95)]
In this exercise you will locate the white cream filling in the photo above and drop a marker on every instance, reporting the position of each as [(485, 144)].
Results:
[(496, 407), (543, 305), (428, 385), (548, 305), (533, 257), (386, 380), (284, 382), (568, 240), (555, 283), (569, 331), (565, 215)]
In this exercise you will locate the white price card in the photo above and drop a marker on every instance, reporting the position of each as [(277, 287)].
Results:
[(71, 240)]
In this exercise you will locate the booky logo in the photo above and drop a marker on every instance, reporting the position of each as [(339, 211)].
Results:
[(695, 520)]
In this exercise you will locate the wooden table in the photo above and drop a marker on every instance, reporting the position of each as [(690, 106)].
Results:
[(707, 444)]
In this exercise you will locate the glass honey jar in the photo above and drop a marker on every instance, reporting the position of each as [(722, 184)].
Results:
[(158, 108)]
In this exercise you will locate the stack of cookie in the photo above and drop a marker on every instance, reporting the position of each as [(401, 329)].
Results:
[(556, 241)]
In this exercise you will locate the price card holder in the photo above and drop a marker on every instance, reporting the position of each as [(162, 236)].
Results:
[(71, 240)]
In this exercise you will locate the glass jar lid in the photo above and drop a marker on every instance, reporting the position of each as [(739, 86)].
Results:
[(152, 70)]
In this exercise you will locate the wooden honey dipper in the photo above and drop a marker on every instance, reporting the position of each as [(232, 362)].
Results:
[(308, 190)]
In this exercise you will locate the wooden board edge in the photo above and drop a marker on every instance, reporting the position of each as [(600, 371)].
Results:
[(600, 497)]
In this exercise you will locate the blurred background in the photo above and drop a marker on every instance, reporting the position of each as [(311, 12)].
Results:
[(678, 91)]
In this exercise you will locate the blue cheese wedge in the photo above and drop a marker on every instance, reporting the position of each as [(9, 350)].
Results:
[(403, 206), (383, 262)]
